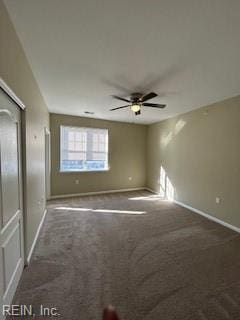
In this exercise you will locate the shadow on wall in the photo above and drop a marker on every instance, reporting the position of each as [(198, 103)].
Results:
[(166, 189)]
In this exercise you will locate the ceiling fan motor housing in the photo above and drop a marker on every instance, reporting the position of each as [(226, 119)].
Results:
[(136, 96)]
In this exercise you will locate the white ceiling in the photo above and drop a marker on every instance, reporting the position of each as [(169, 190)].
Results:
[(83, 51)]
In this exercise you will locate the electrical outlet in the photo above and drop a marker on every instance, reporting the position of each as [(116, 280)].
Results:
[(130, 178), (76, 181), (218, 200)]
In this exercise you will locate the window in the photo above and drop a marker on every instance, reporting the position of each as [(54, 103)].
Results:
[(83, 149)]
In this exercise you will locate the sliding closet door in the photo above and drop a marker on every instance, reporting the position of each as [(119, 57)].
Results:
[(11, 215)]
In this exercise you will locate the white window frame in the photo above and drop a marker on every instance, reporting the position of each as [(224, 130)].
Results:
[(82, 171)]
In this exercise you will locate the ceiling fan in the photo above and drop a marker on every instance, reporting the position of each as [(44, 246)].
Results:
[(137, 101)]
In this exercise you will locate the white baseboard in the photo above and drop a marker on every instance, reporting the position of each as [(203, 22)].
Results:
[(36, 237), (150, 190), (204, 214), (94, 193), (208, 216)]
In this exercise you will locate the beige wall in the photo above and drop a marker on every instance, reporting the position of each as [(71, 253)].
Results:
[(127, 155), (16, 72), (200, 152)]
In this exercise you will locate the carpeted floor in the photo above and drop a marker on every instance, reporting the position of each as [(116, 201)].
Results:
[(150, 258)]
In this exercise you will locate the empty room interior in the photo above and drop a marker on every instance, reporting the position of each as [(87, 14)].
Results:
[(120, 159)]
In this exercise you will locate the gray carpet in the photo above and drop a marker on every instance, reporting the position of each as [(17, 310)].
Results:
[(150, 258)]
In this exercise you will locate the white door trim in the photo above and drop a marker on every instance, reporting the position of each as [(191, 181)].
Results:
[(18, 217), (11, 94), (36, 237), (47, 147)]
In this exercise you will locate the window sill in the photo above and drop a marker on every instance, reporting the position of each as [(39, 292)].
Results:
[(85, 171)]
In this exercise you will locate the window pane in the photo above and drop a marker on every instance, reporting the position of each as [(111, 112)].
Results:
[(79, 136), (71, 145), (99, 156), (76, 156), (78, 146)]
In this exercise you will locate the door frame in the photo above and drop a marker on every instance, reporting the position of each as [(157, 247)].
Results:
[(20, 105), (11, 94), (5, 87), (47, 138)]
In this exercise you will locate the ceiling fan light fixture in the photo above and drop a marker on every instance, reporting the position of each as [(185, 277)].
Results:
[(135, 107)]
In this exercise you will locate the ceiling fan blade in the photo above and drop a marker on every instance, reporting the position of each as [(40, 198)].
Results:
[(119, 108), (154, 105), (138, 113), (122, 99), (148, 96)]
